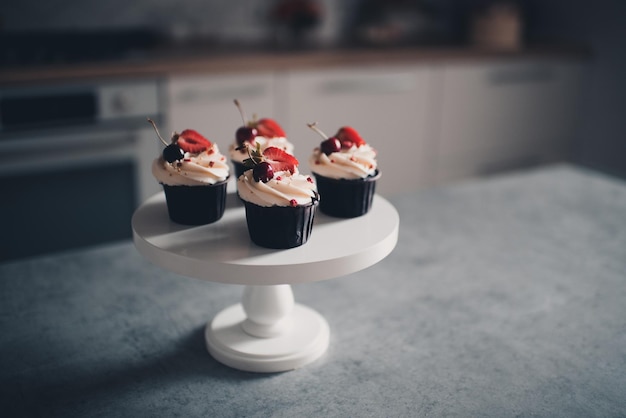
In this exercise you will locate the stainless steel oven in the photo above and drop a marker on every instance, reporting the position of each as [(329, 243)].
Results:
[(74, 163)]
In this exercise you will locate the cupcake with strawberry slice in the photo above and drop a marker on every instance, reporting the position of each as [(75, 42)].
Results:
[(193, 174), (346, 171), (264, 133), (280, 202)]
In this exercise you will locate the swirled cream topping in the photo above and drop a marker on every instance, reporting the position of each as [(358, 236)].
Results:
[(285, 189), (206, 167), (278, 142), (353, 163)]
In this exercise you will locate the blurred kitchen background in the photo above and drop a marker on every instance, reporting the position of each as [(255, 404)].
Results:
[(447, 90)]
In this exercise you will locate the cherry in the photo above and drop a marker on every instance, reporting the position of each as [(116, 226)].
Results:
[(173, 153), (246, 134), (330, 145), (263, 171)]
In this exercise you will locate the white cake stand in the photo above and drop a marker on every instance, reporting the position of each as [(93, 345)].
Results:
[(267, 331)]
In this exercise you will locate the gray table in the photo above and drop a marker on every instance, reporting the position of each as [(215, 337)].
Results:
[(503, 297)]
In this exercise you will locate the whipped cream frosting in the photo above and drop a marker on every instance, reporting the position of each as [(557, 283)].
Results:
[(353, 163), (207, 167), (278, 142), (279, 191)]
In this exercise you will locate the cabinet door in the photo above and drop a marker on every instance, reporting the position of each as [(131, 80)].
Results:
[(386, 105), (205, 103), (501, 116)]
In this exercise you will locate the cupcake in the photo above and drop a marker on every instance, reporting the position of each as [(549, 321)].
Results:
[(346, 172), (264, 132), (193, 174), (280, 202)]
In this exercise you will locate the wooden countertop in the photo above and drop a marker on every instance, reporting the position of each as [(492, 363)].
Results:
[(173, 61)]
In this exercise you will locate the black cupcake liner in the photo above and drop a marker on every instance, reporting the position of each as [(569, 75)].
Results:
[(239, 168), (343, 198), (280, 227), (196, 205)]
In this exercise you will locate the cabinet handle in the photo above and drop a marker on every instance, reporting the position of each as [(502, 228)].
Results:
[(68, 152), (192, 95), (379, 85), (540, 74)]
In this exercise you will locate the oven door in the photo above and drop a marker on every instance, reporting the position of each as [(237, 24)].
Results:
[(67, 190)]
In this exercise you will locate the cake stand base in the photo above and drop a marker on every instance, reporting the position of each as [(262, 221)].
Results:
[(267, 332)]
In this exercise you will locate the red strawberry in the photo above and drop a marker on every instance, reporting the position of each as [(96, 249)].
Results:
[(269, 128), (191, 141), (280, 160), (349, 136)]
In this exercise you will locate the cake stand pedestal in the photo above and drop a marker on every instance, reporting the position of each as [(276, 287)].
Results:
[(267, 331)]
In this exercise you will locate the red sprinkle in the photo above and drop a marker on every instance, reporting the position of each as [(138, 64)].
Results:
[(293, 203), (332, 161), (309, 179), (211, 163), (279, 178), (187, 159), (211, 151)]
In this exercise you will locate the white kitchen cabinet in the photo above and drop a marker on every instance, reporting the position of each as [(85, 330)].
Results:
[(498, 116), (431, 123), (205, 103), (387, 105)]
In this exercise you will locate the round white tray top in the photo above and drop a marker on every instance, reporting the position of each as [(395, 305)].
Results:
[(267, 331), (222, 251)]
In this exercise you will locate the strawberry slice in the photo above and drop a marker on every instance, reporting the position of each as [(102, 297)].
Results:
[(348, 136), (269, 128), (191, 141), (280, 160)]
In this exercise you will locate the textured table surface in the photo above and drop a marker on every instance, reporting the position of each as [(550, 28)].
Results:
[(503, 297)]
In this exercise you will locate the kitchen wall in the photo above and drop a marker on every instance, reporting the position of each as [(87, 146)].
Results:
[(78, 14), (241, 20)]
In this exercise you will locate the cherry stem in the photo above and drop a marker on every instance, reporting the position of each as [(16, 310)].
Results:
[(249, 153), (241, 112), (316, 129), (258, 151), (157, 132), (250, 156)]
